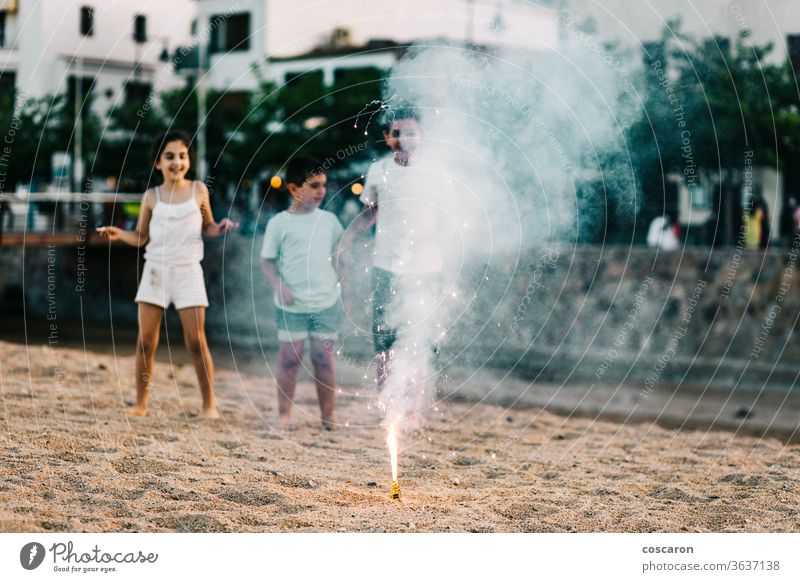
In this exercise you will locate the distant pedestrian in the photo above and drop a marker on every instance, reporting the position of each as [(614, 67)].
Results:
[(756, 224), (663, 234), (790, 221)]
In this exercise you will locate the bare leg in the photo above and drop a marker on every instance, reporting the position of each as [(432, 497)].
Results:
[(291, 355), (419, 395), (193, 321), (382, 361), (146, 344), (382, 368), (325, 378)]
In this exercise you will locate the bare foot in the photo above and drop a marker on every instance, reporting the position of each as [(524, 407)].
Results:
[(284, 423), (329, 423), (137, 410), (210, 413)]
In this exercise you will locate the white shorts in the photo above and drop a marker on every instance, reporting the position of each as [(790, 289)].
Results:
[(182, 286)]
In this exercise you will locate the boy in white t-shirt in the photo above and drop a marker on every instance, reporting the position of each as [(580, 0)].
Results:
[(399, 200), (297, 259)]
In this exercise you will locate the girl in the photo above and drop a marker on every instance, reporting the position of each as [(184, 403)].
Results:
[(172, 220)]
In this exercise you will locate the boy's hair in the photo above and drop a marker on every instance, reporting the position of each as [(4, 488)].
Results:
[(172, 135), (301, 168), (392, 114)]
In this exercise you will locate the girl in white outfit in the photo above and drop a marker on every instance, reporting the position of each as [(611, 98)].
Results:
[(172, 221)]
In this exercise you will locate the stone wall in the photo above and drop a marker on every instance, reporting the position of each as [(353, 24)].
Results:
[(716, 317), (588, 314)]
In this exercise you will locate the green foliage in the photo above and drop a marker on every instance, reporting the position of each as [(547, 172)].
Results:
[(125, 148), (248, 135), (732, 96), (318, 120), (704, 104), (38, 128)]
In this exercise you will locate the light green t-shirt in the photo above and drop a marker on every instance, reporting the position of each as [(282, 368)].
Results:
[(303, 246)]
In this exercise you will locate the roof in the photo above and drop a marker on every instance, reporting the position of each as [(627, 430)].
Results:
[(371, 46)]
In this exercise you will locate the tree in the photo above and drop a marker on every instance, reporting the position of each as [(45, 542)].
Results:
[(708, 105), (40, 127)]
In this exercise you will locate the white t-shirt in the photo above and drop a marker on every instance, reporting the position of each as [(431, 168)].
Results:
[(408, 230), (303, 246), (661, 235)]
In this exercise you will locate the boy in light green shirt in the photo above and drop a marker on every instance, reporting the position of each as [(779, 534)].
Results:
[(297, 259)]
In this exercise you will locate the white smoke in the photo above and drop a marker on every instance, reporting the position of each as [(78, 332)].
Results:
[(516, 137)]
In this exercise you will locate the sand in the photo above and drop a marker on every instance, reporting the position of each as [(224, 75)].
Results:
[(73, 461)]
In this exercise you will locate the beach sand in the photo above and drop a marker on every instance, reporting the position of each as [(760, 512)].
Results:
[(73, 461)]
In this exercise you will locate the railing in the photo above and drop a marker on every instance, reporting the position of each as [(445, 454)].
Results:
[(56, 216)]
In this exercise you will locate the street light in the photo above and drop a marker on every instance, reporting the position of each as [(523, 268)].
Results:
[(201, 111), (194, 61), (78, 108)]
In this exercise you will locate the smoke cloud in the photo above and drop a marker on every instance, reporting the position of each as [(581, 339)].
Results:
[(522, 150)]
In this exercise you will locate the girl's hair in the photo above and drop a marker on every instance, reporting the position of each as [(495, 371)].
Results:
[(172, 135)]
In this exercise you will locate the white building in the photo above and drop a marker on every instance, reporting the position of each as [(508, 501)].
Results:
[(521, 23), (334, 59), (115, 47), (234, 36), (275, 40)]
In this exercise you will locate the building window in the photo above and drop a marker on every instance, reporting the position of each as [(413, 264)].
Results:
[(699, 197), (140, 28), (2, 29), (306, 78), (291, 78), (86, 86), (7, 84), (350, 77), (230, 33), (87, 21), (136, 92), (793, 44)]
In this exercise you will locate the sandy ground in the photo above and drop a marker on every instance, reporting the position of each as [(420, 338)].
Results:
[(73, 461)]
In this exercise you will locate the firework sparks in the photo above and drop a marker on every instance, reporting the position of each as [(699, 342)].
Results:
[(391, 441)]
